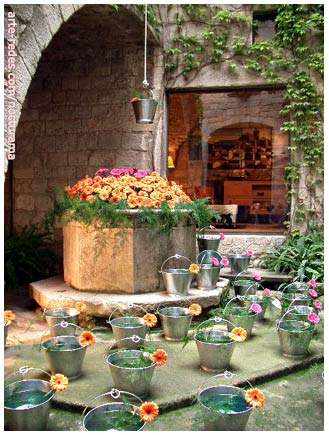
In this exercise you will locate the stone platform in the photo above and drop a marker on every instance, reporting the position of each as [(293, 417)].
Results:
[(50, 291), (266, 275)]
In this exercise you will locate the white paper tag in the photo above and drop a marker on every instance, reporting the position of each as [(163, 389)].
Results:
[(276, 303)]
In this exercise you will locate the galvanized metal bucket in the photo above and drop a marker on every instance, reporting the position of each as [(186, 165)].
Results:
[(297, 287), (54, 316), (257, 299), (33, 397), (175, 322), (208, 241), (207, 277), (134, 380), (288, 300), (299, 312), (65, 355), (244, 287), (108, 416), (294, 336), (145, 108), (238, 262), (219, 403), (236, 318), (127, 326), (177, 281), (214, 357)]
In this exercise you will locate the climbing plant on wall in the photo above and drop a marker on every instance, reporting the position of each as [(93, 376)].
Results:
[(209, 35)]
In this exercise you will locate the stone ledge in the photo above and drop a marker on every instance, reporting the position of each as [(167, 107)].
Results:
[(267, 275), (48, 291)]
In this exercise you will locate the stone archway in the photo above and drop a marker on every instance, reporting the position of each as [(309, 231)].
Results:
[(76, 115)]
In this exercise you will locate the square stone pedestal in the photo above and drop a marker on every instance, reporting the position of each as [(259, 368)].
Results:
[(122, 260)]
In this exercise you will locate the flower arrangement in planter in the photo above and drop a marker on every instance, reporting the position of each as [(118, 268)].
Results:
[(9, 317), (27, 401), (111, 195), (124, 412), (210, 264), (215, 344), (132, 370), (66, 353), (128, 326), (176, 320), (224, 406)]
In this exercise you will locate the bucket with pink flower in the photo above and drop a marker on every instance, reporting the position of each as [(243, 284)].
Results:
[(210, 263), (295, 335), (208, 242), (241, 313), (240, 262)]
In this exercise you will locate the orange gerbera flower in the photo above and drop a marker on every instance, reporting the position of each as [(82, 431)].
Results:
[(150, 320), (58, 382), (9, 316), (238, 334), (132, 201), (195, 309), (159, 357), (86, 338), (255, 398), (90, 199), (103, 196), (81, 307), (114, 199), (148, 411), (194, 268)]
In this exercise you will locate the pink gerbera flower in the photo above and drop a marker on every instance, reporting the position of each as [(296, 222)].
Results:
[(267, 291), (250, 252), (256, 308), (214, 261), (222, 236), (140, 174), (224, 261), (312, 282), (313, 318), (318, 305), (257, 277), (116, 172), (312, 293)]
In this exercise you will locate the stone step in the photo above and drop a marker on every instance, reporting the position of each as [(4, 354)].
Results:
[(49, 292)]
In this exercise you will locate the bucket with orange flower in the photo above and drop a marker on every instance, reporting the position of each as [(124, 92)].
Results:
[(132, 370), (177, 280), (63, 309), (9, 317), (66, 353), (215, 344), (118, 411), (224, 405), (27, 398), (176, 320), (129, 325)]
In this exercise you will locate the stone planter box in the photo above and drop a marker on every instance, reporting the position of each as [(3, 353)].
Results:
[(122, 260)]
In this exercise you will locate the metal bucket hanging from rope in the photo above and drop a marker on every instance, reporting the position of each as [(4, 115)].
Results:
[(145, 108)]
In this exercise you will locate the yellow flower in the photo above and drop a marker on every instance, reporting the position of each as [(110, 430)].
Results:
[(194, 268), (255, 398), (58, 382), (150, 320), (238, 334), (9, 316), (195, 309)]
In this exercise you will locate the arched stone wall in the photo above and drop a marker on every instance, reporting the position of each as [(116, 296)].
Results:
[(76, 114)]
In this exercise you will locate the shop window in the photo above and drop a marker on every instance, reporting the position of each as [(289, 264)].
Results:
[(228, 146)]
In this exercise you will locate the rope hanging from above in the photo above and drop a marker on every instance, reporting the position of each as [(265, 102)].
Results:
[(145, 82)]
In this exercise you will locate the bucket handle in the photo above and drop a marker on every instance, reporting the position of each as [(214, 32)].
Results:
[(208, 226), (280, 320), (114, 393), (62, 324), (239, 298), (178, 297), (205, 255), (251, 285), (129, 305), (228, 376), (217, 319), (23, 370), (173, 256), (135, 338)]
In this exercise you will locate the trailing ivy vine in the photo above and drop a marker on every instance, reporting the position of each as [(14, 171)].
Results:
[(294, 57)]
